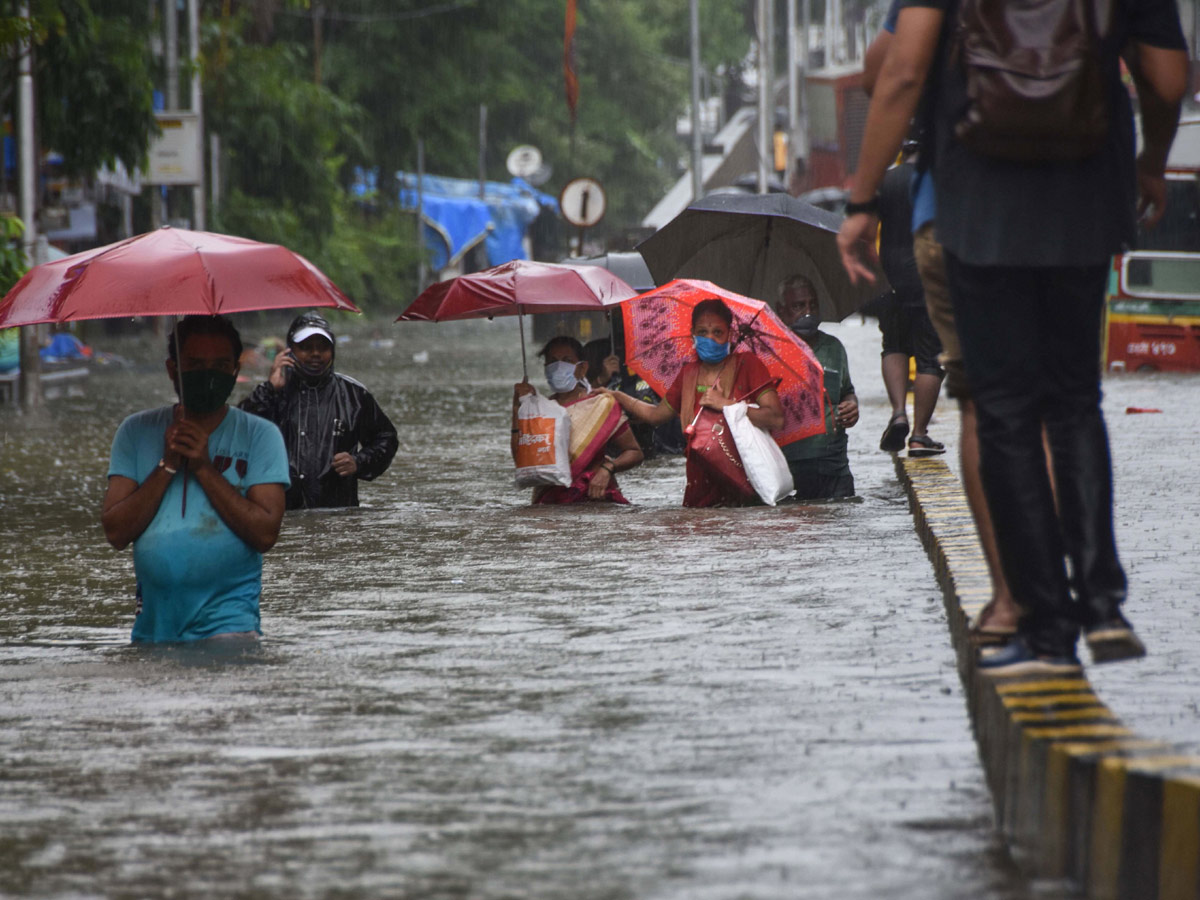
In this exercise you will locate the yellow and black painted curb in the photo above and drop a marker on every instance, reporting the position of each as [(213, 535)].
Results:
[(1077, 795)]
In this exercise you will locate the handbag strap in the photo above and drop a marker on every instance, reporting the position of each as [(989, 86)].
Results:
[(769, 383)]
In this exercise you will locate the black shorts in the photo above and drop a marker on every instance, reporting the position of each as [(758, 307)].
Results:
[(906, 329)]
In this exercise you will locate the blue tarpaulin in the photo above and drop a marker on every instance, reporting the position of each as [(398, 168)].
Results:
[(456, 218)]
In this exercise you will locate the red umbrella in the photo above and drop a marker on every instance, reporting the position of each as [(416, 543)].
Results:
[(658, 341), (167, 272), (515, 288)]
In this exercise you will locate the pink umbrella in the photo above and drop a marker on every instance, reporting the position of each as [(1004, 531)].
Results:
[(516, 288), (169, 272)]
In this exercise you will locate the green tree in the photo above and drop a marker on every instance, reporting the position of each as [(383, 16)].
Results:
[(12, 258), (93, 78)]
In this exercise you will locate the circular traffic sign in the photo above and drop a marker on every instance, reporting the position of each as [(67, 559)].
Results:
[(582, 202), (524, 161)]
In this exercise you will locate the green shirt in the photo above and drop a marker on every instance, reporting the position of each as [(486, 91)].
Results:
[(831, 445)]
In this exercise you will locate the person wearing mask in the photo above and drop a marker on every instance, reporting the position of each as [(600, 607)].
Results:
[(197, 553), (335, 432), (601, 442), (714, 379), (819, 465)]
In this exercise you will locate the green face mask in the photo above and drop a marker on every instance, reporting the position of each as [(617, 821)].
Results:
[(206, 390)]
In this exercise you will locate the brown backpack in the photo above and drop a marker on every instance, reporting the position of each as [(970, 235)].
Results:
[(1035, 84)]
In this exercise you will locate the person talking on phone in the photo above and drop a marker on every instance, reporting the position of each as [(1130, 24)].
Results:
[(334, 431)]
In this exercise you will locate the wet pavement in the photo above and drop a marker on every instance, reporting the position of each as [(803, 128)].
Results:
[(462, 696)]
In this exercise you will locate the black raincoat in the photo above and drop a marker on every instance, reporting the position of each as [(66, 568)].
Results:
[(318, 420)]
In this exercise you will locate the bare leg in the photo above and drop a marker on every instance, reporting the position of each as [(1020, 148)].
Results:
[(1002, 610), (894, 367), (925, 394)]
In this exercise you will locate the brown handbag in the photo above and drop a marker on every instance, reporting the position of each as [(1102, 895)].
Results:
[(1036, 90)]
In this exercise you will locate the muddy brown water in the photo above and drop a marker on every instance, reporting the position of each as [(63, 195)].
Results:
[(460, 696)]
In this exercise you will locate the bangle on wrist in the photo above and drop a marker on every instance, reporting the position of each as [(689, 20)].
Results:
[(516, 431), (162, 464), (867, 206)]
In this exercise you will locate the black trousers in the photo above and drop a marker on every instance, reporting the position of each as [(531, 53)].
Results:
[(1031, 347)]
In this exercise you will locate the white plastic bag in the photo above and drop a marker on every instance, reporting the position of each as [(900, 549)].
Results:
[(763, 460), (543, 454)]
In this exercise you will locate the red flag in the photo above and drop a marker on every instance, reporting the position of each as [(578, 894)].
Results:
[(572, 82)]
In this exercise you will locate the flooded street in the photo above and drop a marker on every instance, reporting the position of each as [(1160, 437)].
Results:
[(460, 696)]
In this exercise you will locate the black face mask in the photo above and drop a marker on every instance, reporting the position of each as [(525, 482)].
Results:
[(205, 390), (313, 374), (806, 326)]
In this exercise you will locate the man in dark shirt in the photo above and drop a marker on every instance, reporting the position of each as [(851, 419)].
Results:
[(335, 432), (1027, 251), (819, 464)]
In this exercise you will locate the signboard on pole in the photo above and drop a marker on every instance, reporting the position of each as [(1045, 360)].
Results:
[(582, 202), (175, 154)]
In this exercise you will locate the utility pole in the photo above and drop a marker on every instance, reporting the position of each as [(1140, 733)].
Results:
[(766, 105), (199, 213), (793, 92), (482, 151), (697, 136), (30, 360), (420, 215)]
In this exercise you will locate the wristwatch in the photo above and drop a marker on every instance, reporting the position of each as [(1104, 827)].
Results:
[(869, 206)]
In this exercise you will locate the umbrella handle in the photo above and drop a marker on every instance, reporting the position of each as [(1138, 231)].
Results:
[(691, 429), (524, 363)]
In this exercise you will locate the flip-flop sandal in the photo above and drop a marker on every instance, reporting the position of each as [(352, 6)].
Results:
[(990, 635), (926, 446), (895, 433)]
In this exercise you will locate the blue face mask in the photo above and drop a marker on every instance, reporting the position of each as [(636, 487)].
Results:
[(709, 350)]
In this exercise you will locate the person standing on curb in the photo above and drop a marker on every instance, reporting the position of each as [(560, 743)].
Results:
[(996, 623), (1027, 247), (904, 321)]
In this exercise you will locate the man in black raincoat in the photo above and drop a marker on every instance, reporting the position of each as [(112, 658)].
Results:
[(334, 431)]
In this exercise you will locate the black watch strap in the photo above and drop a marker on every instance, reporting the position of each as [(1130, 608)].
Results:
[(870, 206)]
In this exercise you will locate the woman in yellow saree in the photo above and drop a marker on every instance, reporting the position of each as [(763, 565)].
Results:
[(601, 442)]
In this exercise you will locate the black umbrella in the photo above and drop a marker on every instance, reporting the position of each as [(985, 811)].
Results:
[(749, 243)]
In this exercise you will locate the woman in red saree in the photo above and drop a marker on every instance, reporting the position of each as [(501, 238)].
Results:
[(715, 379), (601, 442)]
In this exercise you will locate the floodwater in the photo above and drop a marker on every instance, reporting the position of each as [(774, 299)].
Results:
[(460, 696)]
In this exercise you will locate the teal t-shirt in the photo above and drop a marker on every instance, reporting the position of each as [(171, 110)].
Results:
[(832, 445), (196, 578)]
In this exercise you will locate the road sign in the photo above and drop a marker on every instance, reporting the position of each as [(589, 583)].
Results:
[(582, 202), (524, 161), (175, 154)]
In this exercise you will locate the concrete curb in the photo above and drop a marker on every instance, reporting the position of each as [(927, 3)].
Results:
[(1077, 795)]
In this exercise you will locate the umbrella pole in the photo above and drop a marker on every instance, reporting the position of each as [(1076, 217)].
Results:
[(524, 363), (179, 386)]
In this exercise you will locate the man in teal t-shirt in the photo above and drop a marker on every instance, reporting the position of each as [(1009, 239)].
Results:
[(198, 488), (819, 465)]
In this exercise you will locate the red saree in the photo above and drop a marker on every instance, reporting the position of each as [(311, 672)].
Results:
[(742, 373), (595, 420)]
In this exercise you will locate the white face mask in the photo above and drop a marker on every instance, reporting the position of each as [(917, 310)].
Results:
[(561, 376)]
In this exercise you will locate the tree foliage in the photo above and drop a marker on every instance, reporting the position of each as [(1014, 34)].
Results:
[(302, 93), (93, 76)]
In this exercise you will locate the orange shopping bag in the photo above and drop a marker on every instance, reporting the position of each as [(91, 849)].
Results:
[(543, 455)]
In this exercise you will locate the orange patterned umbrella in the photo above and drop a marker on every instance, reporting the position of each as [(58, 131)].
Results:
[(658, 342)]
